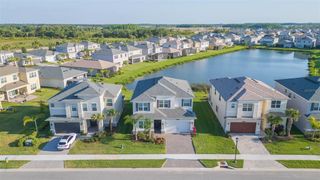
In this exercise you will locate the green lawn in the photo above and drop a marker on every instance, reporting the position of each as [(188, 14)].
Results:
[(295, 146), (12, 164), (300, 164), (132, 71), (210, 137), (211, 163), (114, 163), (11, 126)]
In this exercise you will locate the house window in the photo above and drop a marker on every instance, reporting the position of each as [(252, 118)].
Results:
[(143, 106), (215, 91), (109, 102), (3, 80), (186, 103), (33, 86), (84, 107), (285, 90), (247, 107), (275, 104), (219, 97), (289, 95), (32, 74), (15, 77), (233, 105), (217, 108), (73, 108), (52, 105), (94, 107), (315, 107), (141, 124), (163, 103)]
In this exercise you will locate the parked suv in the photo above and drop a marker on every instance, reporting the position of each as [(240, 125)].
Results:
[(66, 141)]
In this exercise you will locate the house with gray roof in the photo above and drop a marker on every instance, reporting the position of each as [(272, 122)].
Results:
[(59, 77), (242, 104), (91, 46), (70, 49), (304, 94), (44, 54), (134, 53), (167, 102), (71, 110), (5, 56), (115, 56)]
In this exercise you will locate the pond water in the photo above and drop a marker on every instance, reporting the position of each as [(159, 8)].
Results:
[(264, 65)]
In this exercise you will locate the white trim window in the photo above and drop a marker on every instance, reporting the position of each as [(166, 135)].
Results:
[(315, 107), (15, 77), (3, 80), (84, 107), (141, 124), (186, 102), (275, 104), (142, 106), (32, 74), (94, 107), (163, 103), (33, 86), (247, 107), (109, 102)]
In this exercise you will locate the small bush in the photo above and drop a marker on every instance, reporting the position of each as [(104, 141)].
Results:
[(200, 87), (279, 130), (142, 136), (159, 140)]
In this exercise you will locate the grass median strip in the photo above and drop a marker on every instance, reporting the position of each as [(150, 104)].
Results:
[(12, 164), (114, 163), (308, 164), (214, 163)]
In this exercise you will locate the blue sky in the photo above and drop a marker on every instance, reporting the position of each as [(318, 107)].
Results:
[(158, 11)]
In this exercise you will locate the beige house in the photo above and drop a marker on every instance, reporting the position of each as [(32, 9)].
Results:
[(16, 81)]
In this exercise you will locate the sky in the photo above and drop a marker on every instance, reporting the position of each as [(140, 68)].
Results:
[(158, 11)]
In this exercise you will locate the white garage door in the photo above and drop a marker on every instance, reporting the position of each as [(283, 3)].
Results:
[(177, 126)]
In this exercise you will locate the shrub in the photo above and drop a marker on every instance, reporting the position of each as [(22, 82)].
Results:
[(279, 130), (142, 136), (33, 137), (159, 140), (200, 87)]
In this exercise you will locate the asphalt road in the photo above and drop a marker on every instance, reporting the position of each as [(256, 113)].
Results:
[(158, 175)]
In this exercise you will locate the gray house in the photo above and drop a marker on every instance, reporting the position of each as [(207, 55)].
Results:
[(115, 56), (167, 102), (59, 77)]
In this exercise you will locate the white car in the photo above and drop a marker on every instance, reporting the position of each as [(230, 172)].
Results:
[(66, 141)]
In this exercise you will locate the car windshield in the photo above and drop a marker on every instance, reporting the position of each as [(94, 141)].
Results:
[(62, 143)]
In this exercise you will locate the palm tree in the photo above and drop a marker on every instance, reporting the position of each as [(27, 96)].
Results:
[(315, 125), (111, 113), (29, 60), (134, 121), (99, 118), (33, 119), (292, 116), (147, 126), (90, 70), (274, 121), (13, 60), (104, 72)]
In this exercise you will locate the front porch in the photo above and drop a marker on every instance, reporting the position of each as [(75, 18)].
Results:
[(16, 92)]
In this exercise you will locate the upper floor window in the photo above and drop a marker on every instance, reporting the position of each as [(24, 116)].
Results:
[(3, 80), (32, 74), (275, 104), (247, 107), (84, 107), (215, 91), (14, 77), (94, 107), (315, 107), (219, 97), (186, 103), (163, 103), (73, 107), (233, 105), (52, 105), (109, 102), (143, 106)]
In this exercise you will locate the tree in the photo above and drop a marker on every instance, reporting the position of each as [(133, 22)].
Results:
[(42, 106), (315, 125), (111, 113), (13, 60), (29, 60), (90, 70), (147, 126), (104, 72), (292, 116), (99, 118), (24, 50), (133, 120), (274, 122), (32, 119)]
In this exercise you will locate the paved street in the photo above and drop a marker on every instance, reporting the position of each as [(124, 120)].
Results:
[(172, 174)]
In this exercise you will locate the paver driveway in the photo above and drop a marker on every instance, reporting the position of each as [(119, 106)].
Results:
[(251, 144), (180, 144)]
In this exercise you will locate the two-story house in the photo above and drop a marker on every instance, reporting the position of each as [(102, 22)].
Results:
[(70, 49), (304, 94), (167, 102), (242, 104), (45, 55), (5, 56), (115, 56), (91, 46), (72, 108), (134, 53), (15, 81), (305, 42)]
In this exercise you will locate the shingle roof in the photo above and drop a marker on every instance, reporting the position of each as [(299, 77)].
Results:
[(148, 89), (170, 114), (109, 51), (13, 85), (244, 88), (99, 64), (9, 69), (85, 90), (54, 72), (41, 52), (306, 87)]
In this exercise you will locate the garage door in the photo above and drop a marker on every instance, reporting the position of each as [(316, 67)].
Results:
[(177, 126), (67, 127), (243, 127)]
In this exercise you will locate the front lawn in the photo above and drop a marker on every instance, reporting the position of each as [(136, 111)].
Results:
[(114, 163), (11, 125), (210, 138), (297, 145), (300, 164), (211, 163), (12, 164)]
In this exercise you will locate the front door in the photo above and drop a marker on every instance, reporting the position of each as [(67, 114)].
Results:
[(157, 126)]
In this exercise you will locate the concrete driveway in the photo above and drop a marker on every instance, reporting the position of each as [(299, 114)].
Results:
[(251, 144), (49, 149), (180, 144)]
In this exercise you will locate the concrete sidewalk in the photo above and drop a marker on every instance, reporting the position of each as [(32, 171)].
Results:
[(157, 156)]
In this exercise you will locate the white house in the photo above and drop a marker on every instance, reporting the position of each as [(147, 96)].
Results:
[(242, 104), (5, 56), (44, 55), (72, 108), (268, 40), (167, 102), (304, 96), (115, 56), (305, 42)]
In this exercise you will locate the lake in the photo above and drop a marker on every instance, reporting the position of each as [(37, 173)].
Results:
[(264, 65)]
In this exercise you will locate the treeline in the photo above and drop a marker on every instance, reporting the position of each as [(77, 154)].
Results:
[(87, 31), (273, 25)]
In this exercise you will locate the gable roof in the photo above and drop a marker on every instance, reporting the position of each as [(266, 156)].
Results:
[(86, 90), (54, 72), (41, 52), (245, 88), (94, 64), (306, 87), (9, 69), (148, 89), (110, 51)]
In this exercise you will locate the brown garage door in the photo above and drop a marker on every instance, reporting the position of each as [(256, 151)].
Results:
[(243, 127)]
